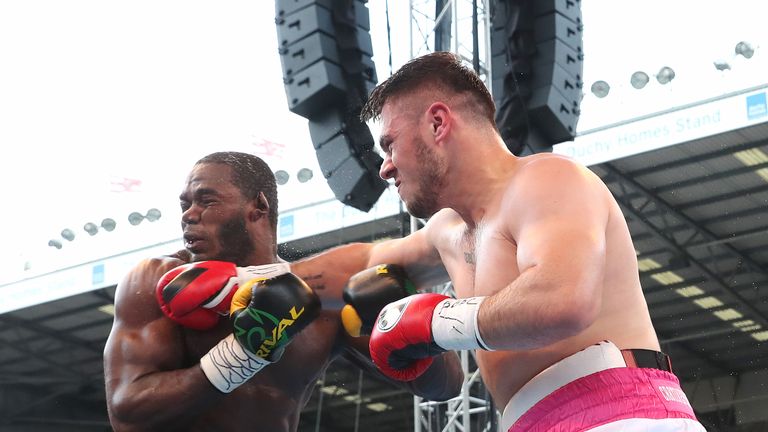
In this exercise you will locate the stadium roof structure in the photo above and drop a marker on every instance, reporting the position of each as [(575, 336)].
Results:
[(698, 215)]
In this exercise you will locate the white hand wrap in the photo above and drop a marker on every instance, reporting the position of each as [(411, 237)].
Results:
[(454, 324), (228, 365), (244, 274), (265, 271)]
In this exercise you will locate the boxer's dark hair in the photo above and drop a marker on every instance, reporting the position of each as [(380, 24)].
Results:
[(441, 70), (251, 175)]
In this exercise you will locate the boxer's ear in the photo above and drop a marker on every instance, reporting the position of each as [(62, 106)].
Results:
[(259, 208), (439, 115)]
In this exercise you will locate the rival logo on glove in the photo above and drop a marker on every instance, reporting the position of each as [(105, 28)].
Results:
[(266, 345)]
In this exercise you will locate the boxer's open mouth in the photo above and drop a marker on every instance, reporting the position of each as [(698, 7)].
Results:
[(190, 241)]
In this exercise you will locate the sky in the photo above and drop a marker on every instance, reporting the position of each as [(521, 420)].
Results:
[(95, 94)]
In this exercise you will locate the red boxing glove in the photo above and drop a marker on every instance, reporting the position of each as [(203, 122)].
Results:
[(197, 295), (409, 332), (402, 345)]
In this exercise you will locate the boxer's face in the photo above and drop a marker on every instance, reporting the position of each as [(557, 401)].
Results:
[(418, 171), (234, 244), (423, 200), (214, 216)]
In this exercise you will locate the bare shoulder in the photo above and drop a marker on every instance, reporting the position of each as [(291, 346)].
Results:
[(556, 188), (440, 225), (544, 165), (552, 175), (135, 302)]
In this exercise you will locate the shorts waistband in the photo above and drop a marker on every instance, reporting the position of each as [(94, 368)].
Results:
[(593, 359), (642, 358)]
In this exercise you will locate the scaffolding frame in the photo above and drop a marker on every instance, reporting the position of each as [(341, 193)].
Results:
[(457, 16)]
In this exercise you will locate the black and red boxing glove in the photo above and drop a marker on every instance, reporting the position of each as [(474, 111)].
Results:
[(410, 331), (266, 315), (197, 295), (370, 290)]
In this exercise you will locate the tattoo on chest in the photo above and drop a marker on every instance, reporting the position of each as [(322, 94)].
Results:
[(469, 257)]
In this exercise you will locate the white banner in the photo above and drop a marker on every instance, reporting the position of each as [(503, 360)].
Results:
[(332, 215), (293, 224), (669, 128), (78, 279)]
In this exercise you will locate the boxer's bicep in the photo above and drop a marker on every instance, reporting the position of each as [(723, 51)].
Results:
[(560, 233), (142, 341)]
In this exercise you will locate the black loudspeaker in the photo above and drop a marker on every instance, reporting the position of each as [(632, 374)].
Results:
[(537, 63), (328, 72), (344, 148)]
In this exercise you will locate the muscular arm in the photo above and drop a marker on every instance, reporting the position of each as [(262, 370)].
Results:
[(560, 235), (328, 272), (147, 386), (417, 253)]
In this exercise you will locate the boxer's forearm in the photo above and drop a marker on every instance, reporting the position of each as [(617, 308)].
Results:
[(535, 311), (328, 272), (416, 255)]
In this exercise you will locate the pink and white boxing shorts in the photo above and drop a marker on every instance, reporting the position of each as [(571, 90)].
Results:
[(603, 389)]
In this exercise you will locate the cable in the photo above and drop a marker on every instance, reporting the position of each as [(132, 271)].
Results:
[(359, 399), (389, 37), (319, 402)]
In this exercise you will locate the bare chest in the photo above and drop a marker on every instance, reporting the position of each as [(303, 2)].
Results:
[(481, 261)]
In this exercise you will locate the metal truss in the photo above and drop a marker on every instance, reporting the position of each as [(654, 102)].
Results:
[(689, 241), (59, 372), (471, 410), (459, 26)]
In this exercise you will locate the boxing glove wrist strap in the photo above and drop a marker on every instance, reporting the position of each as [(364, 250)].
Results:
[(228, 365), (244, 274), (454, 324)]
